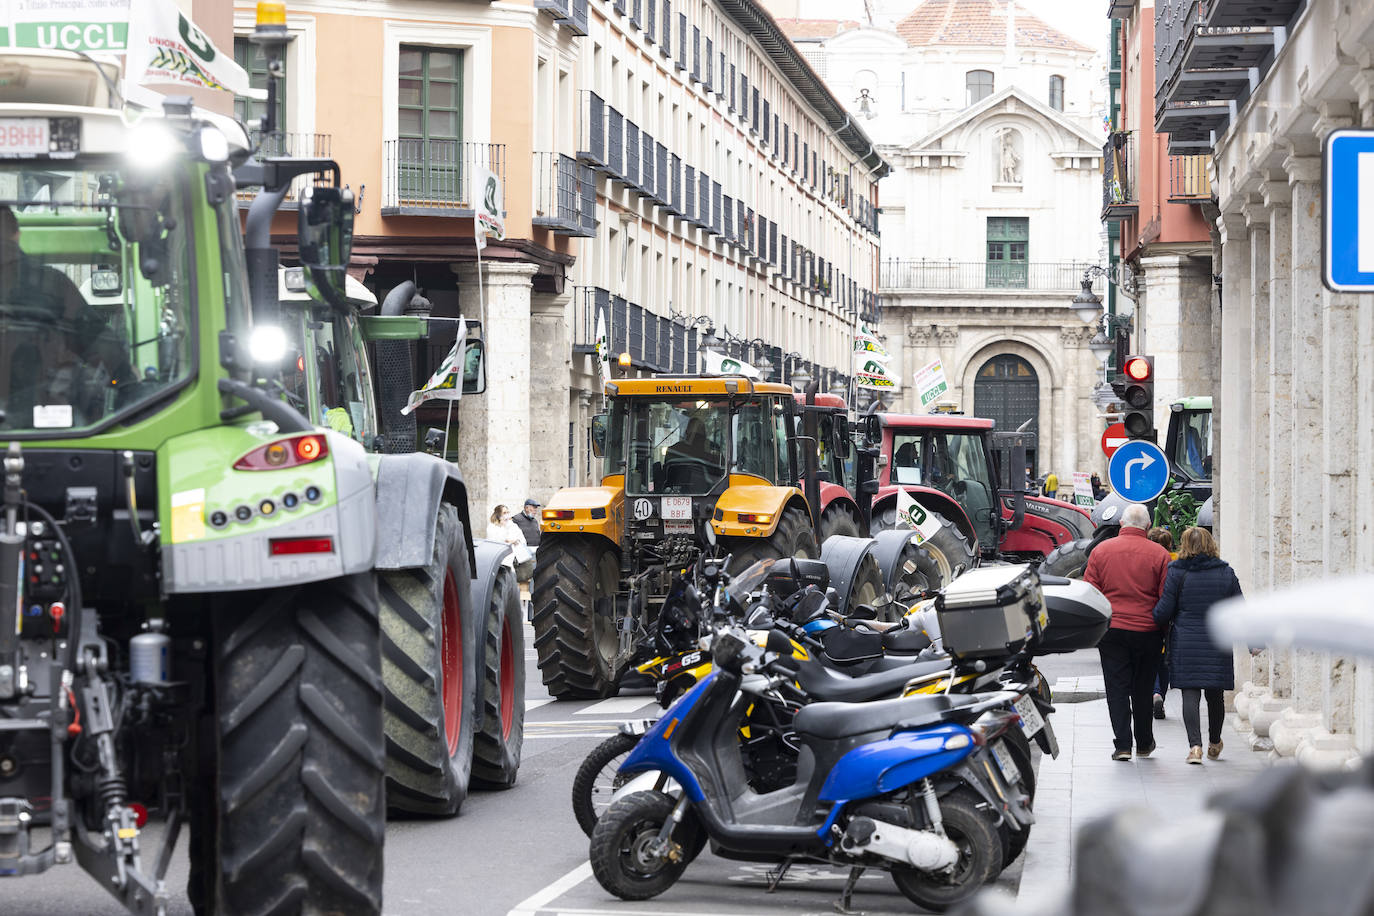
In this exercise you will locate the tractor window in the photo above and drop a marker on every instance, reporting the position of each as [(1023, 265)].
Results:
[(906, 459), (756, 441), (962, 466), (324, 356), (1193, 449), (95, 294), (677, 446)]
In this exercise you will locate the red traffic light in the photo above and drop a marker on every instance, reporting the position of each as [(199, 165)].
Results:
[(1138, 368)]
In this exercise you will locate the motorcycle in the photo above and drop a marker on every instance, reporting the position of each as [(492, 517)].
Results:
[(900, 785)]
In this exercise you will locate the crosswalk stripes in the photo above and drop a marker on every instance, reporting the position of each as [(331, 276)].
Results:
[(617, 706)]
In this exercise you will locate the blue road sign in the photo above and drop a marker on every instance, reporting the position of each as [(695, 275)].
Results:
[(1138, 470), (1348, 211)]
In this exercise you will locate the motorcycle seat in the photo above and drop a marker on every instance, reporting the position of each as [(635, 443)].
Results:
[(844, 720), (823, 684)]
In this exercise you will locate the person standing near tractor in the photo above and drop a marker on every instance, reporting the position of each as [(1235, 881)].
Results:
[(1052, 485), (1129, 570), (528, 523)]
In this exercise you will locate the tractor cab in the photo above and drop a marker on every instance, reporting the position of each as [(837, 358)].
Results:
[(680, 443), (950, 455)]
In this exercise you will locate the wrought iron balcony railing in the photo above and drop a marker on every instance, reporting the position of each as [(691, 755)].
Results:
[(1119, 199), (931, 274), (436, 177), (564, 195)]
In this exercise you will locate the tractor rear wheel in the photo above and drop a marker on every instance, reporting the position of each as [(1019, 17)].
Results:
[(941, 554), (496, 753), (838, 520), (299, 813), (1068, 560), (576, 578), (792, 538), (429, 634)]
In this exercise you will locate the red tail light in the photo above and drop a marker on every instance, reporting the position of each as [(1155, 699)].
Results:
[(557, 515), (283, 547), (284, 453)]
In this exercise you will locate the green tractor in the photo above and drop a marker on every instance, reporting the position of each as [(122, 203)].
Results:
[(222, 602)]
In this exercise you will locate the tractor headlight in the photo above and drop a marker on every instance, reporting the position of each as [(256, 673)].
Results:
[(214, 146), (267, 345)]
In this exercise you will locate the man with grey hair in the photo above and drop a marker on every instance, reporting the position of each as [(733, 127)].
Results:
[(1130, 569)]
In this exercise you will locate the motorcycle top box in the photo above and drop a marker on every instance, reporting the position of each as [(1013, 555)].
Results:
[(991, 611), (1079, 615)]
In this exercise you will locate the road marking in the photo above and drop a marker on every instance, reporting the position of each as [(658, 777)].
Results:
[(599, 733), (541, 898), (535, 704), (616, 706)]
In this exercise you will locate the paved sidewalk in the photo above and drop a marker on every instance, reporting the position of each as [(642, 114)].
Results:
[(1085, 783)]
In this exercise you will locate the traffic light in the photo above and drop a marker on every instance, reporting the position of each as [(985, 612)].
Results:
[(1138, 397)]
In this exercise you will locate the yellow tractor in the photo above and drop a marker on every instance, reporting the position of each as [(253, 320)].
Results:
[(678, 454)]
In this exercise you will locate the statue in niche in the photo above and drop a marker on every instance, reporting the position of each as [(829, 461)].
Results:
[(1009, 162)]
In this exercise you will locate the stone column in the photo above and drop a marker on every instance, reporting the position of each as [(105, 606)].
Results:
[(1233, 524), (1071, 342), (1308, 525), (549, 369), (494, 436), (1257, 218)]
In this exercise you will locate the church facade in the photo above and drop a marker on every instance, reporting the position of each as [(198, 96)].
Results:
[(992, 123)]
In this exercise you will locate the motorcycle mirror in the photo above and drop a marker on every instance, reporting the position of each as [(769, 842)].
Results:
[(863, 612)]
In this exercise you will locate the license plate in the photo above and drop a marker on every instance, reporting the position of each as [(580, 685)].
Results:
[(1004, 763), (1031, 720), (24, 136), (677, 508)]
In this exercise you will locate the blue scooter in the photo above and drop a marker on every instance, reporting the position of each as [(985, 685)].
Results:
[(904, 785)]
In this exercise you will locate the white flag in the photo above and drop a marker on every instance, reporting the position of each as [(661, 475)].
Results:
[(603, 350), (490, 204), (447, 381), (911, 514), (720, 364), (166, 47)]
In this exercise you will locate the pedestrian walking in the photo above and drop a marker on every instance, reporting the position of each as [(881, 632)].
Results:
[(1051, 485), (1163, 538), (1198, 579), (528, 523), (1129, 570)]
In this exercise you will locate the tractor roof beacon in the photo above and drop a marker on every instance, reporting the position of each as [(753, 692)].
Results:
[(210, 557)]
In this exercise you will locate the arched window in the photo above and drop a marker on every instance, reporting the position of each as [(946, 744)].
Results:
[(1057, 92), (978, 84)]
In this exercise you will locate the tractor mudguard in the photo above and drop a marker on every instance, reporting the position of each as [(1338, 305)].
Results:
[(887, 550), (843, 556), (756, 500), (410, 488), (932, 500), (485, 571), (595, 510)]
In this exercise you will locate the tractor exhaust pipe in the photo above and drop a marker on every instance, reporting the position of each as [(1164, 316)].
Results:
[(395, 362), (811, 481)]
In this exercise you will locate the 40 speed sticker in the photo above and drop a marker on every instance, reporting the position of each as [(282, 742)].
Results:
[(643, 509)]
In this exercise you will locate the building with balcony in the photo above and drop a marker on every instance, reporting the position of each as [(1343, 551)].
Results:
[(1259, 87), (1157, 206), (671, 166), (991, 120), (730, 200)]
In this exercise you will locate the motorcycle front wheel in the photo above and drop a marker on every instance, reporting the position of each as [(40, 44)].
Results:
[(980, 857), (622, 856)]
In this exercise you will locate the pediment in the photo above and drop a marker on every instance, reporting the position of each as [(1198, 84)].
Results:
[(1065, 135)]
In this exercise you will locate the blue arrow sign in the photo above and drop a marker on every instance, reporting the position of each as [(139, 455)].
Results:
[(1348, 211), (1138, 470)]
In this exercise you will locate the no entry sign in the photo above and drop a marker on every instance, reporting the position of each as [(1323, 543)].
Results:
[(1114, 438)]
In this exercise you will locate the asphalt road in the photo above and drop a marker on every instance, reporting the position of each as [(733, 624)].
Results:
[(521, 853)]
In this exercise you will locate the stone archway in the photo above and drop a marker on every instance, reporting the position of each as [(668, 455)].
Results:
[(1033, 349)]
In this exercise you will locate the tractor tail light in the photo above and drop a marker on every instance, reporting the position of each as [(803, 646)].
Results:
[(284, 453), (755, 518), (285, 547), (557, 515)]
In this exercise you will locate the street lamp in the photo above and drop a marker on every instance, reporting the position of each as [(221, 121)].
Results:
[(839, 388), (1086, 305), (1102, 347), (800, 379)]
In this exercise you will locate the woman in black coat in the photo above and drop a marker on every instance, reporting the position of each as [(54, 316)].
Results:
[(1197, 580)]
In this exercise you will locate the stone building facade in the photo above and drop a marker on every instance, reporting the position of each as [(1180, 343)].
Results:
[(991, 120), (1295, 396)]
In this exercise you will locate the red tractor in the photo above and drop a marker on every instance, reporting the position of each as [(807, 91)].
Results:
[(945, 462)]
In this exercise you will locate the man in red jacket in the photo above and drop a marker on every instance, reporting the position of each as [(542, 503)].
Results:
[(1130, 569)]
